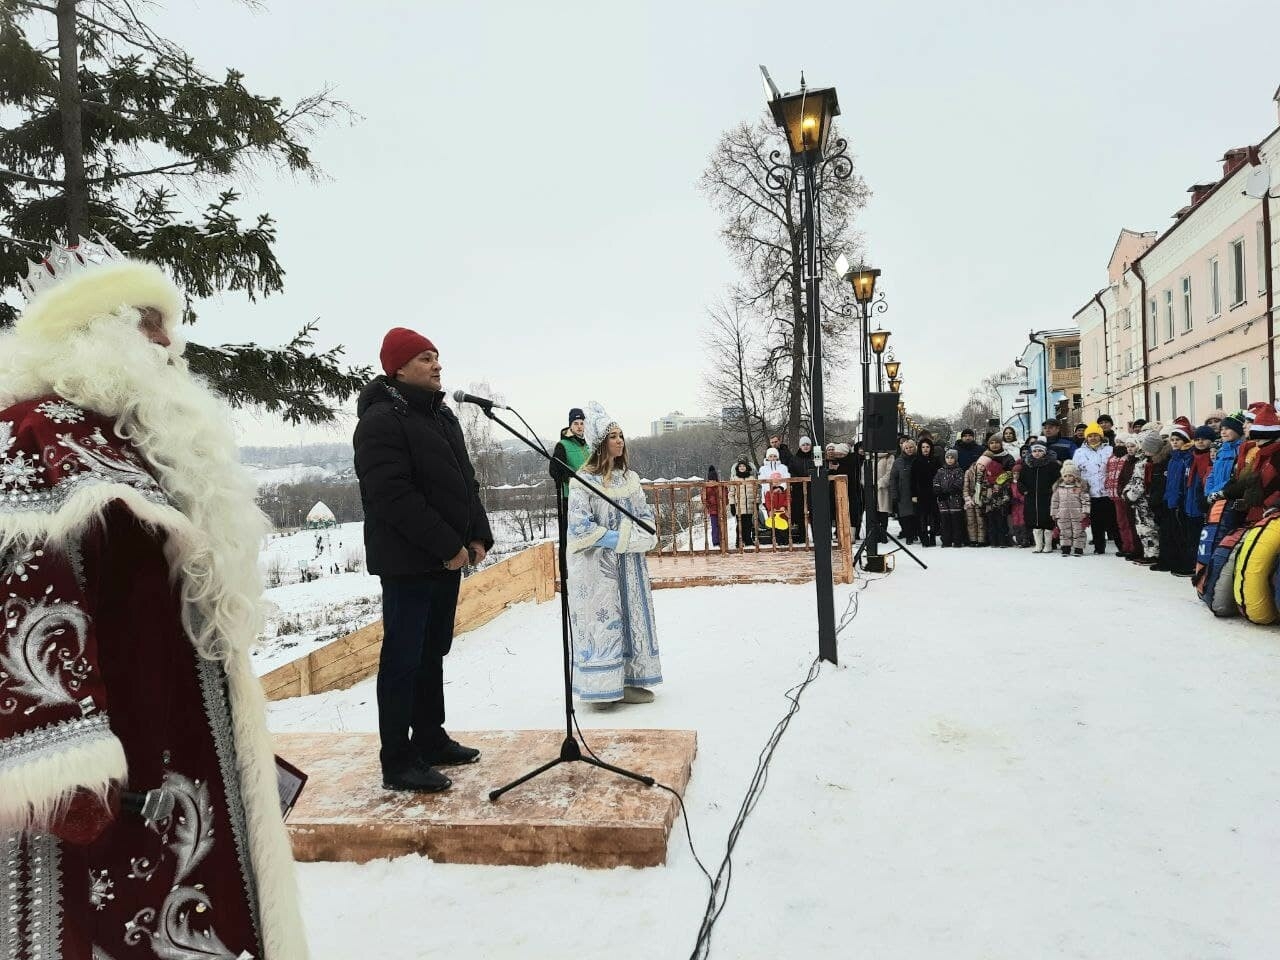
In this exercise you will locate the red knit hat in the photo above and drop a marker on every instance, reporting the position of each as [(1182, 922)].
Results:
[(1181, 428), (1265, 422), (401, 345)]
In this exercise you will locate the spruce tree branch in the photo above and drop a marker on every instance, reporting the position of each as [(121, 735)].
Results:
[(27, 178)]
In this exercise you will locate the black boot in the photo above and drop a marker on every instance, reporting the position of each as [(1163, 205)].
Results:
[(417, 779), (1066, 551), (451, 754)]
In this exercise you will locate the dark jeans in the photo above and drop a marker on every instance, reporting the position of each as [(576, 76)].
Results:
[(417, 624), (746, 530), (1102, 521)]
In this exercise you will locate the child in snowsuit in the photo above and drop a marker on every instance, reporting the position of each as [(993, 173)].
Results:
[(975, 519), (1070, 508), (948, 488)]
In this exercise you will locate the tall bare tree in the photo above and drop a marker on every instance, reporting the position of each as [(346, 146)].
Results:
[(487, 454), (983, 403), (736, 385), (763, 230)]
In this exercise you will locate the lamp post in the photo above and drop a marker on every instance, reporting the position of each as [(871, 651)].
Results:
[(873, 343), (879, 340), (805, 117)]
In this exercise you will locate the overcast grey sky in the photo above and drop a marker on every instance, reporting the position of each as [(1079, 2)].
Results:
[(522, 186)]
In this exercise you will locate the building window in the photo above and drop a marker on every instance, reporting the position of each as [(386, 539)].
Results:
[(1067, 356), (1128, 318), (1128, 360), (1152, 324), (1217, 391), (1173, 402), (1157, 404), (1237, 273), (1262, 259), (1191, 401), (1215, 288), (1186, 304), (1244, 388), (1168, 315)]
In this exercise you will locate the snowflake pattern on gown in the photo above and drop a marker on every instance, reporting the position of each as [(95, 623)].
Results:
[(60, 411), (615, 642)]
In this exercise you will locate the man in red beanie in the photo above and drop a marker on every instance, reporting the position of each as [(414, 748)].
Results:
[(423, 522)]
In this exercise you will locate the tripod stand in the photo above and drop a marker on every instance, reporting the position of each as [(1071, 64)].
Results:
[(873, 527), (570, 749)]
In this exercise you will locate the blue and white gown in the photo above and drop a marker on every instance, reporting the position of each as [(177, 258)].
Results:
[(615, 642)]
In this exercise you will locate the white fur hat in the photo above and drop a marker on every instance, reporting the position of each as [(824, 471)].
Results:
[(90, 279), (771, 452), (598, 424)]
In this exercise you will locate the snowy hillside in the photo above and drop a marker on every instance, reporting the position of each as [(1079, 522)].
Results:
[(310, 602)]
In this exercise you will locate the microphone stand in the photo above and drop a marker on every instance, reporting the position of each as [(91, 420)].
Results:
[(570, 749)]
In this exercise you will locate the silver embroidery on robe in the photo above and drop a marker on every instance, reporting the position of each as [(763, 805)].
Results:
[(44, 897), (11, 881), (45, 660), (189, 834), (60, 411), (53, 738), (216, 707)]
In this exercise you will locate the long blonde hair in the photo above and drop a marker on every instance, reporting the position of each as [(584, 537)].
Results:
[(600, 465)]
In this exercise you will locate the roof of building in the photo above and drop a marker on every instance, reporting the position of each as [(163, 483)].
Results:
[(320, 514)]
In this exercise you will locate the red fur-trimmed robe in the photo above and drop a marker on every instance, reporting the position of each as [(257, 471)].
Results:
[(100, 688)]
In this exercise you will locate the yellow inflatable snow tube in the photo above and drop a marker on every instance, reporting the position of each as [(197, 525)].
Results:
[(1251, 585)]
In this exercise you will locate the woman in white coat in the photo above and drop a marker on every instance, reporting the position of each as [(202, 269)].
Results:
[(615, 642)]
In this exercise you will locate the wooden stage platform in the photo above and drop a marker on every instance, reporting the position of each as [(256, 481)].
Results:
[(720, 569), (574, 813)]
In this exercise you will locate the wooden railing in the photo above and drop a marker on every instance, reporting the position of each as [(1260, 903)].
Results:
[(684, 523)]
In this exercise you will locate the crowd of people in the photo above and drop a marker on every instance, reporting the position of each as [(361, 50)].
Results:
[(1146, 490)]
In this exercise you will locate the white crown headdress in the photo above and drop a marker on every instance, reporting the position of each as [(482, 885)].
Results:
[(66, 262)]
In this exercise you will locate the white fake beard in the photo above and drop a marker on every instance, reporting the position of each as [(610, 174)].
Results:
[(182, 431)]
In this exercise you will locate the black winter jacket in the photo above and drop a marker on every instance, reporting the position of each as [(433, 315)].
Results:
[(421, 500), (1036, 480)]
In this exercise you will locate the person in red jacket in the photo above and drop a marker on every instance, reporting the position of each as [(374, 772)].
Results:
[(139, 807), (1255, 488), (711, 502)]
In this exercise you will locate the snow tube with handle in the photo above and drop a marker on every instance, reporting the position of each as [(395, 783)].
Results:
[(1259, 548), (1209, 533), (1209, 576), (1221, 598)]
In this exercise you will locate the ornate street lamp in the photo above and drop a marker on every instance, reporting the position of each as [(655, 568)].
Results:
[(891, 368), (895, 385), (879, 340), (805, 118)]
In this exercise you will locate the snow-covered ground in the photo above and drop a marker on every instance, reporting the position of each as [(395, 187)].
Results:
[(1019, 756)]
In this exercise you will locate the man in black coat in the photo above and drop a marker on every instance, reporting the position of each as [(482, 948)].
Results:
[(423, 522), (968, 450), (1063, 448)]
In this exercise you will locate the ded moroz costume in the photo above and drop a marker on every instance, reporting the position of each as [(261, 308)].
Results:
[(128, 562)]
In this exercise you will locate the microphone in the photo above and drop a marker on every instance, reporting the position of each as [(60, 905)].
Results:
[(461, 396)]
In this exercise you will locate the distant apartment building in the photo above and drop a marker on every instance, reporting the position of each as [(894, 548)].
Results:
[(1052, 362), (678, 421), (1186, 323)]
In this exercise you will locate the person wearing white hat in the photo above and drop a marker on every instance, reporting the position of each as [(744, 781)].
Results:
[(615, 640), (139, 807)]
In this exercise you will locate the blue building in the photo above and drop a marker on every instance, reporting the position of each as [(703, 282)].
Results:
[(1052, 362)]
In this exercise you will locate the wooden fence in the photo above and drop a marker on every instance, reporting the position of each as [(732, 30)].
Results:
[(529, 575), (684, 523)]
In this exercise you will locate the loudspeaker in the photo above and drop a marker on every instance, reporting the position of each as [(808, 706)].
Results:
[(882, 422)]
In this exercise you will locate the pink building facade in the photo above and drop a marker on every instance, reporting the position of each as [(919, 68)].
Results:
[(1187, 322)]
